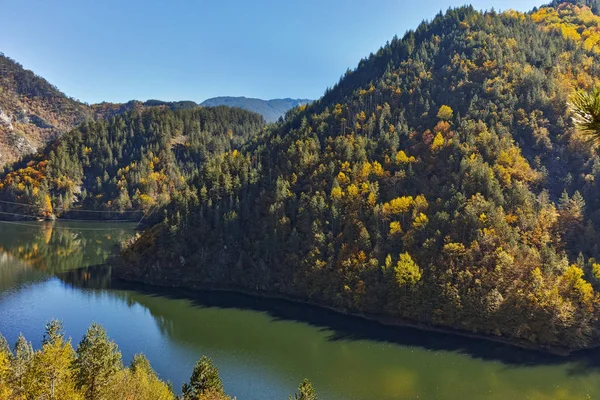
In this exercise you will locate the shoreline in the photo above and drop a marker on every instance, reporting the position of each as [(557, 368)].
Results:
[(384, 321)]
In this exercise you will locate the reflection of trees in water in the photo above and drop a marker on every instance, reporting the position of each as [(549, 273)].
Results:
[(14, 272), (97, 279), (177, 315), (226, 323), (56, 247)]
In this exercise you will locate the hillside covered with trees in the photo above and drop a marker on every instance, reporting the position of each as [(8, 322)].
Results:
[(134, 161), (34, 113), (441, 182)]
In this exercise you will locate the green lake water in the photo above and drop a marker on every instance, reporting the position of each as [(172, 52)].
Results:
[(263, 348)]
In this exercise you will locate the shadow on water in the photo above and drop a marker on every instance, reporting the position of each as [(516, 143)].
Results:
[(339, 326)]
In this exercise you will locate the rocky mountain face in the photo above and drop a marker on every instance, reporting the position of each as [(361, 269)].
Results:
[(32, 111)]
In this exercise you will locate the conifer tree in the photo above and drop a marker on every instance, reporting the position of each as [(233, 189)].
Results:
[(52, 364), (21, 364), (98, 359), (205, 378), (305, 391)]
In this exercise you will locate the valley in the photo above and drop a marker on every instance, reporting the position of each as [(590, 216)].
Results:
[(428, 228)]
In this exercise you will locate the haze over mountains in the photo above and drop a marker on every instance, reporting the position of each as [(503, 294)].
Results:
[(272, 110)]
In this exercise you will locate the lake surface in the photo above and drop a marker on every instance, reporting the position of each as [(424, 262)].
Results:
[(263, 348)]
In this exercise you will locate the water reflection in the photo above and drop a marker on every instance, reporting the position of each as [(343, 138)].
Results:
[(31, 252), (347, 356), (14, 273), (263, 348), (56, 247), (339, 328)]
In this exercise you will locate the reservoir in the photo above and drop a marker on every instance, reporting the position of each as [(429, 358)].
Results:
[(263, 348)]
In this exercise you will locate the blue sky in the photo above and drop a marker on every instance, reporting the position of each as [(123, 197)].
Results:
[(118, 50)]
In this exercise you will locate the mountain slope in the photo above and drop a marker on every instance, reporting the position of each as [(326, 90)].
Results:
[(32, 111), (107, 110), (131, 162), (441, 181), (271, 110)]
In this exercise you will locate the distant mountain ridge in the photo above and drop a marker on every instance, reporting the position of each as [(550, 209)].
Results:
[(33, 112), (270, 109)]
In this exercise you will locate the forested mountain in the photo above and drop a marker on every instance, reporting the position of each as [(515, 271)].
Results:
[(132, 161), (106, 110), (272, 110), (32, 111), (442, 182)]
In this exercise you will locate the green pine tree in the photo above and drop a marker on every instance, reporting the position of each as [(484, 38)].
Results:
[(205, 378), (21, 363), (4, 346), (305, 391), (98, 358)]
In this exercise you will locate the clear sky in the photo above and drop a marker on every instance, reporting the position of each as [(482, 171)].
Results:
[(118, 50)]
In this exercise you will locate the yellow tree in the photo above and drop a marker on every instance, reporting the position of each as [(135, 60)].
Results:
[(5, 374), (575, 286), (47, 206), (438, 142), (399, 205), (138, 382), (445, 113), (407, 271), (51, 365)]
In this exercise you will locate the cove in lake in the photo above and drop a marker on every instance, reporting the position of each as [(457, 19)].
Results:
[(263, 348)]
